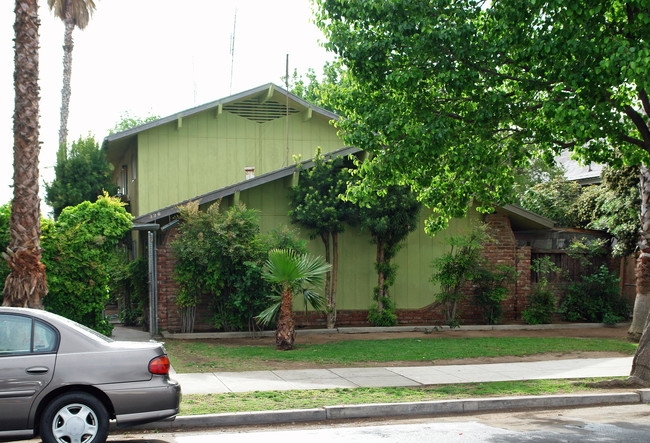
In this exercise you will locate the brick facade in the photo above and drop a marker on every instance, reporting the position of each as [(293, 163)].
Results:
[(503, 250)]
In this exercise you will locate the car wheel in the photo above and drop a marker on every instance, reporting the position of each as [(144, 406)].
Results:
[(75, 417)]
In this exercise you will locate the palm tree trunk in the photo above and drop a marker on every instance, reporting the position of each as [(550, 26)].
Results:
[(25, 284), (642, 300), (285, 332), (66, 91)]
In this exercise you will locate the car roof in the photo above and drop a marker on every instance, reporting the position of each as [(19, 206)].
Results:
[(59, 322)]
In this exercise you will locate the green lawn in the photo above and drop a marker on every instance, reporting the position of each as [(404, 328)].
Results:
[(208, 356), (275, 400)]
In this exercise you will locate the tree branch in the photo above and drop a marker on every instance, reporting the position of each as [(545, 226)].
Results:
[(643, 96), (640, 124)]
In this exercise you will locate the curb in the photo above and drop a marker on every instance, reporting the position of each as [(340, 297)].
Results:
[(375, 329), (438, 407)]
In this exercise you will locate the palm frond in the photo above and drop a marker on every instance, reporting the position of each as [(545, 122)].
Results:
[(313, 268), (285, 266), (316, 301), (268, 316)]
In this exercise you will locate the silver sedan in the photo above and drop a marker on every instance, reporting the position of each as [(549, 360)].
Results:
[(65, 382)]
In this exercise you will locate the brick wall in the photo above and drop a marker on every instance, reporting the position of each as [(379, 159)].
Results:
[(168, 316), (503, 250)]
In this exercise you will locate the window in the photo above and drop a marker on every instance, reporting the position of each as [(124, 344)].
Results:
[(45, 338), (21, 335), (15, 334)]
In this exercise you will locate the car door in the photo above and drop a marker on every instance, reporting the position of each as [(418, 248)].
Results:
[(27, 358)]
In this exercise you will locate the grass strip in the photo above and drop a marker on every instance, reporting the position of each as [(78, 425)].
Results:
[(209, 356), (195, 404)]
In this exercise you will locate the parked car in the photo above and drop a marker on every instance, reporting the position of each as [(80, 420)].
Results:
[(65, 381)]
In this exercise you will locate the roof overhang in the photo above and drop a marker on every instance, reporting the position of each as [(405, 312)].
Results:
[(522, 219)]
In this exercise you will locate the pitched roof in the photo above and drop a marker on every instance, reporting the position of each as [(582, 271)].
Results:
[(265, 92), (579, 171)]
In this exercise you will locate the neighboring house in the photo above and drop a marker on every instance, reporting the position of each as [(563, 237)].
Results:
[(583, 174), (204, 154)]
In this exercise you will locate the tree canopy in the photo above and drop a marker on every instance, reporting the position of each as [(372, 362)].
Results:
[(81, 175), (454, 94), (128, 121)]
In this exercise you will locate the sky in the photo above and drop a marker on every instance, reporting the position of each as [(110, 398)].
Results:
[(153, 57)]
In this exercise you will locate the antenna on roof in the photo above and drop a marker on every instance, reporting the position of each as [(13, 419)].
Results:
[(232, 48), (286, 83)]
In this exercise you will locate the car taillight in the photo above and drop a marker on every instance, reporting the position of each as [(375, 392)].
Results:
[(159, 365)]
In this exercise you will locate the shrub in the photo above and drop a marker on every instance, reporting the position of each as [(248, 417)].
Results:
[(490, 289), (77, 251), (455, 268), (542, 302), (385, 316), (541, 308), (595, 299), (220, 254)]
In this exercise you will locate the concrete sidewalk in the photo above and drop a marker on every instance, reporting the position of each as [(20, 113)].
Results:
[(284, 380)]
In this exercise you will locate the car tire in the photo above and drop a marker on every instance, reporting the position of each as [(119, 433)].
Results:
[(75, 416)]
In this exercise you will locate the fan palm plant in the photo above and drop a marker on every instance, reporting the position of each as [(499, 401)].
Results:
[(292, 273)]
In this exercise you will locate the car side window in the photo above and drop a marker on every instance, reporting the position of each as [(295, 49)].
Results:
[(15, 334), (45, 338)]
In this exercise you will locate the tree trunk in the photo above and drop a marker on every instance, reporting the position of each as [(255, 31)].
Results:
[(285, 332), (328, 276), (66, 90), (380, 276), (642, 300), (331, 297), (25, 284), (641, 361)]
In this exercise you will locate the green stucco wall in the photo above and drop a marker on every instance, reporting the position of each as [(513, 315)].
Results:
[(210, 151)]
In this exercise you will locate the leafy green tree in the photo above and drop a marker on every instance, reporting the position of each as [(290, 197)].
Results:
[(452, 95), (78, 250), (388, 219), (128, 121), (316, 204), (324, 92), (539, 170), (614, 207), (293, 273), (81, 175), (73, 13), (553, 199)]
